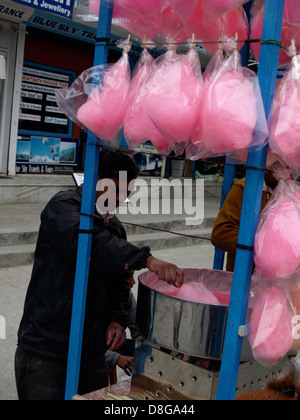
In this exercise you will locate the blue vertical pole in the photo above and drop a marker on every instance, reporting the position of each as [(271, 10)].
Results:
[(86, 223), (251, 210)]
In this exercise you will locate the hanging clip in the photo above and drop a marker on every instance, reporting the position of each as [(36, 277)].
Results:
[(192, 44), (144, 43), (243, 331)]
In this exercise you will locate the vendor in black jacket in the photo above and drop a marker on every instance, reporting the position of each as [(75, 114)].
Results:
[(43, 337)]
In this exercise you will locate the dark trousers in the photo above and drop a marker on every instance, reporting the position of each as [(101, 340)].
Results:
[(41, 378)]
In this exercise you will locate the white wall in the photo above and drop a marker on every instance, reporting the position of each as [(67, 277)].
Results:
[(8, 45), (12, 41)]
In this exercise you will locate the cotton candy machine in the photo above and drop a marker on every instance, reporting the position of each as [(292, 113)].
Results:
[(179, 355)]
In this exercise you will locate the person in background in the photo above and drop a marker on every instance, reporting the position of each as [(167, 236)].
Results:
[(226, 228), (124, 356), (43, 336)]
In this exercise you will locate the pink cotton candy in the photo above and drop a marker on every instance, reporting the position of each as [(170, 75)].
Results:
[(292, 11), (141, 6), (104, 110), (193, 291), (228, 120), (138, 127), (170, 97), (174, 15), (197, 292), (214, 8), (142, 18), (277, 245), (223, 297), (94, 6), (230, 23), (270, 326), (284, 137)]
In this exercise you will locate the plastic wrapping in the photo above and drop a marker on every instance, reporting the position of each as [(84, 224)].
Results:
[(88, 11), (293, 292), (96, 101), (284, 137), (171, 97), (139, 24), (292, 11), (174, 17), (214, 8), (138, 127), (173, 20), (270, 327), (141, 18), (230, 23), (277, 245), (228, 122)]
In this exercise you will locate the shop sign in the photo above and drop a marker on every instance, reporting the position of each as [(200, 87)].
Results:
[(46, 155), (58, 7), (62, 27), (11, 11), (39, 113)]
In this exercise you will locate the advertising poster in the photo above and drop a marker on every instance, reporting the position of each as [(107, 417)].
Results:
[(149, 161), (46, 155), (39, 112)]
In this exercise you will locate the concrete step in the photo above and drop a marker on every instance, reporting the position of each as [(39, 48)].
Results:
[(13, 238), (15, 256), (40, 188), (163, 240), (33, 188)]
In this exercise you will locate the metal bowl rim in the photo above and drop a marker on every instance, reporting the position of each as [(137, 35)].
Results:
[(180, 298)]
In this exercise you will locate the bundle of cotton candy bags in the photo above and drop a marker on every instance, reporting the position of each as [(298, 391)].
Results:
[(105, 108), (208, 27), (277, 244), (171, 96), (138, 127), (284, 137), (227, 122), (96, 101), (270, 328)]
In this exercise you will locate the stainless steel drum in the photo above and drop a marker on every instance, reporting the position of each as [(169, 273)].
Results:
[(188, 327)]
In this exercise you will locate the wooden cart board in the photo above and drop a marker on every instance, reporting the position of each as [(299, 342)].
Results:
[(119, 391)]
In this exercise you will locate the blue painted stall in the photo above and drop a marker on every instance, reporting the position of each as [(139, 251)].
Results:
[(249, 221)]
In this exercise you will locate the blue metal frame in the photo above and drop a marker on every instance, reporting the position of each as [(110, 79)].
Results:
[(249, 221), (86, 223), (251, 210)]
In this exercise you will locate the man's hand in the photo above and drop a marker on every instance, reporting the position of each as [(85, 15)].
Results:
[(167, 272), (115, 336), (126, 363)]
